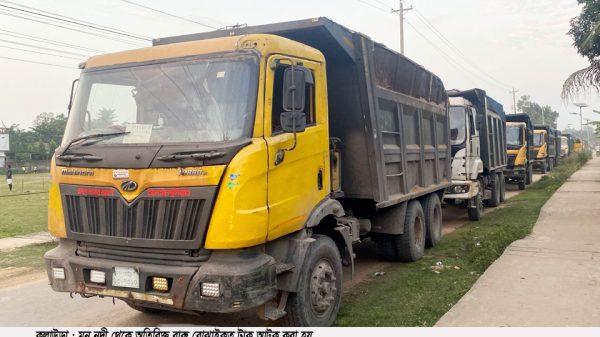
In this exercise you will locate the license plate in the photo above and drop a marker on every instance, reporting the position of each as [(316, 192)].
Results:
[(126, 277)]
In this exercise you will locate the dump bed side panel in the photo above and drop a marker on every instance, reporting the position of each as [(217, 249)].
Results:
[(412, 126)]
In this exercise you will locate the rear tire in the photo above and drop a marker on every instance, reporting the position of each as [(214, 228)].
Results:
[(544, 167), (521, 185), (494, 201), (502, 187), (432, 210), (550, 165), (317, 301), (529, 177), (411, 244), (475, 212)]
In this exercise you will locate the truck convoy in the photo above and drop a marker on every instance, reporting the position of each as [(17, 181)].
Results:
[(520, 153), (544, 148), (235, 169), (478, 138)]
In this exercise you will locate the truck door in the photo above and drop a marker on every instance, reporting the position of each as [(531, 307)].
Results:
[(301, 180)]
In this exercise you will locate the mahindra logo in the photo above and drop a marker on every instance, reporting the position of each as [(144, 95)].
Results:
[(129, 186)]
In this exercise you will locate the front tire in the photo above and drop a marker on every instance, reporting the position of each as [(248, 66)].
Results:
[(317, 301), (475, 212)]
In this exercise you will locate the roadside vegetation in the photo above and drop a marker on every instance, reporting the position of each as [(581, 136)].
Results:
[(30, 257), (419, 294)]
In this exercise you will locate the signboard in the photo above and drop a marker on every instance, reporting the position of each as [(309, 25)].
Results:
[(4, 145)]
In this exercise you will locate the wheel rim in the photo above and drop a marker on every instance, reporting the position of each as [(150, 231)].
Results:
[(418, 230), (322, 287)]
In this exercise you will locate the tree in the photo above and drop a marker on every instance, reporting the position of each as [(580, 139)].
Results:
[(585, 31), (49, 129), (104, 118), (536, 111)]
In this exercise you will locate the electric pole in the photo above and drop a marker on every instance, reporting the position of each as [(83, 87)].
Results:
[(400, 11), (514, 93)]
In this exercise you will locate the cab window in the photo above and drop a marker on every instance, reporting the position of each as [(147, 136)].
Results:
[(277, 107)]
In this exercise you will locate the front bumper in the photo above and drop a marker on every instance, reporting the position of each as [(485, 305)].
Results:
[(472, 188), (246, 278), (516, 173)]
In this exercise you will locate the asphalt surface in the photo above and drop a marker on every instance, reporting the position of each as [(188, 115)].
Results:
[(33, 303)]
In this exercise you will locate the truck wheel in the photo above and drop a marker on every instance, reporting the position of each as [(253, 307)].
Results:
[(521, 184), (502, 187), (529, 175), (317, 301), (145, 310), (544, 167), (432, 208), (410, 245), (550, 165), (475, 212), (494, 201)]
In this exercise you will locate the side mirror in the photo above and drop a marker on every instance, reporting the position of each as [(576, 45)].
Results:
[(293, 119)]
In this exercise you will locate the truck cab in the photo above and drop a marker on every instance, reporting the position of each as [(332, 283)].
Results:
[(519, 141), (542, 149), (564, 146), (478, 138)]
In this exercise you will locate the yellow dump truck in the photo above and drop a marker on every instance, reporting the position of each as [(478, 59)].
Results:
[(544, 147), (578, 145), (236, 169), (520, 152)]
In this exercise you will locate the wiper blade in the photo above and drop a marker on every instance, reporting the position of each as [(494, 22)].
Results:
[(79, 156), (191, 155), (92, 136)]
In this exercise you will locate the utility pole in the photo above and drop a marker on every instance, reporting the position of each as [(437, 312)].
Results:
[(514, 93), (400, 11)]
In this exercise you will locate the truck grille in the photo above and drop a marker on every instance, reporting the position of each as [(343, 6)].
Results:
[(511, 160), (103, 215)]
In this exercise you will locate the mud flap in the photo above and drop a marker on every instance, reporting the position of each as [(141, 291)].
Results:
[(346, 234)]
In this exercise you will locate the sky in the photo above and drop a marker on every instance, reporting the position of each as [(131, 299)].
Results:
[(496, 45)]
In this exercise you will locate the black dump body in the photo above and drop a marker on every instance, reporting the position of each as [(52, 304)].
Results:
[(524, 118), (551, 141), (491, 123), (570, 142), (557, 135), (390, 113)]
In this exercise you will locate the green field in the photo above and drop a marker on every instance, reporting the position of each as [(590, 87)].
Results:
[(25, 184), (418, 294), (28, 256), (25, 209)]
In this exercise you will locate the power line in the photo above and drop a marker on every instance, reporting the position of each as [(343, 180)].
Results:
[(441, 36), (373, 6), (35, 62), (59, 17), (41, 53), (48, 41), (3, 12), (43, 48), (448, 58), (168, 14)]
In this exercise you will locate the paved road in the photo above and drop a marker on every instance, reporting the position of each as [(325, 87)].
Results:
[(35, 304), (550, 278)]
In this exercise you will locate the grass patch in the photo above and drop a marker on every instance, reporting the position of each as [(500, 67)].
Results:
[(28, 256), (23, 214), (420, 293), (26, 184)]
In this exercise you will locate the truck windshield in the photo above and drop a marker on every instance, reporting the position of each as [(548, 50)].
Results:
[(538, 139), (188, 101), (514, 136), (458, 127)]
